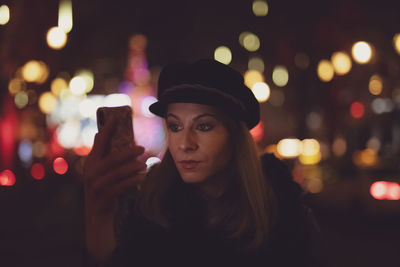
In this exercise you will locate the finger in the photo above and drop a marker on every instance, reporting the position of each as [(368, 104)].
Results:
[(127, 170), (102, 138)]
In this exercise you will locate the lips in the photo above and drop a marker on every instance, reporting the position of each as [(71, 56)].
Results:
[(189, 164)]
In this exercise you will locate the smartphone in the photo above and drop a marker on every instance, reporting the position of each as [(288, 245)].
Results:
[(122, 136)]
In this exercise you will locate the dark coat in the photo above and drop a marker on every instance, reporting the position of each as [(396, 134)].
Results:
[(291, 243)]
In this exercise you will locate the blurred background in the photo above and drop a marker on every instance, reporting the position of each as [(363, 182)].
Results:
[(326, 74)]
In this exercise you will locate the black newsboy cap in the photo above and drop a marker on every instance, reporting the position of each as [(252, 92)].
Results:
[(207, 82)]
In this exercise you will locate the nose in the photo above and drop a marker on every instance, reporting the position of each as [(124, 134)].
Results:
[(189, 140)]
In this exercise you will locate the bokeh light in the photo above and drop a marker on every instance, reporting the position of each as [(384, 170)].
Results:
[(289, 148), (362, 52), (4, 14), (310, 153), (39, 149), (374, 143), (382, 105), (383, 190), (357, 110), (32, 71), (77, 85), (223, 54), (65, 15), (242, 36), (258, 132), (88, 76), (251, 42), (152, 161), (7, 178), (396, 42), (68, 133), (56, 38), (339, 146), (260, 8), (57, 85), (375, 84), (47, 102), (21, 99), (256, 63), (37, 171), (16, 85), (325, 70), (60, 165), (25, 151), (261, 91), (87, 108), (341, 63), (314, 185), (146, 102), (280, 76), (314, 120), (117, 100), (251, 77)]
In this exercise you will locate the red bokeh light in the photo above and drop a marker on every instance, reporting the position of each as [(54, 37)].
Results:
[(258, 132), (357, 110), (7, 178), (37, 171), (60, 165), (385, 190)]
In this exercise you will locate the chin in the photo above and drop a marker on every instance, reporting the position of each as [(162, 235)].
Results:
[(192, 178)]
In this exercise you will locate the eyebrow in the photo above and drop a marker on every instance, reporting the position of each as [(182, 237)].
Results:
[(195, 118)]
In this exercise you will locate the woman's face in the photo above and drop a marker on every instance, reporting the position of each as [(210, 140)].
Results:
[(198, 141)]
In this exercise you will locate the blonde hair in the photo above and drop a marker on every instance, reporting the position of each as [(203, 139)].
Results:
[(245, 210)]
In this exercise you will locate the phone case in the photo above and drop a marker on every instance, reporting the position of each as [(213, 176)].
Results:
[(123, 134)]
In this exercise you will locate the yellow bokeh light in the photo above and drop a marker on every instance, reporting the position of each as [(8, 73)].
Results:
[(32, 71), (16, 85), (310, 159), (65, 15), (251, 77), (88, 76), (375, 85), (261, 91), (289, 148), (396, 42), (44, 72), (260, 8), (4, 15), (57, 85), (77, 85), (242, 36), (325, 70), (56, 38), (256, 63), (21, 99), (47, 102), (362, 52), (251, 42), (341, 63), (310, 147), (223, 54), (280, 76)]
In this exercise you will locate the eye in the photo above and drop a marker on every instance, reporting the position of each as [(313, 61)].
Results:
[(173, 127), (204, 127)]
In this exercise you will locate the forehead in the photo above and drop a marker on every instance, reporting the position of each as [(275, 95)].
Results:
[(190, 109)]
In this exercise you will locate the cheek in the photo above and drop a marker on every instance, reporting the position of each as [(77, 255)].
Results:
[(219, 151)]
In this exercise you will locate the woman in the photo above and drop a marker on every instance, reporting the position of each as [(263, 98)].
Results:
[(212, 200)]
